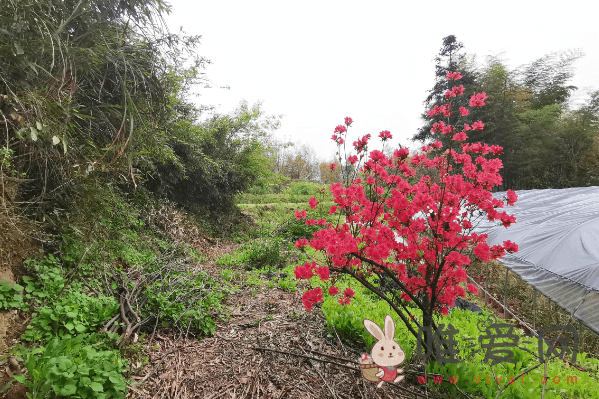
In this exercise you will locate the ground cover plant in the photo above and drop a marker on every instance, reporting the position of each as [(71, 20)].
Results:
[(347, 320)]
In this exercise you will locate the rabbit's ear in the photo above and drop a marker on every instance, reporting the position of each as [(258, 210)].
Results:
[(374, 329), (389, 328)]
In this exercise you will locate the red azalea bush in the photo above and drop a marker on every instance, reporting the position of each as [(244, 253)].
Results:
[(416, 233)]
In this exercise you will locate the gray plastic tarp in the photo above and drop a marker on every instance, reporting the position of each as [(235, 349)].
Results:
[(557, 231)]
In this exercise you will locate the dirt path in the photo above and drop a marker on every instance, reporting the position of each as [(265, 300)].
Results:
[(230, 365)]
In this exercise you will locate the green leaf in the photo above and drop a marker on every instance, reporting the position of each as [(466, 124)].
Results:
[(17, 287), (69, 326), (115, 378), (38, 125), (97, 387), (66, 390), (33, 133), (80, 327), (20, 378)]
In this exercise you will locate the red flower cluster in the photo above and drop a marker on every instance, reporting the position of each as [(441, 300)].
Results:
[(313, 203), (302, 242), (478, 100), (441, 127), (300, 215), (511, 197), (348, 294), (443, 109), (478, 125), (348, 120), (401, 154), (311, 298), (460, 136), (340, 129), (454, 76), (338, 139), (455, 91), (362, 143), (385, 135)]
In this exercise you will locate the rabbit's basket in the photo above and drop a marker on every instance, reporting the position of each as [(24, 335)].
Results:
[(369, 371)]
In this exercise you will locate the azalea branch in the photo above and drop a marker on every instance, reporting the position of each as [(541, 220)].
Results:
[(393, 277), (372, 288)]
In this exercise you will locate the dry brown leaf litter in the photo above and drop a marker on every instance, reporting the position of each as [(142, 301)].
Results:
[(269, 348)]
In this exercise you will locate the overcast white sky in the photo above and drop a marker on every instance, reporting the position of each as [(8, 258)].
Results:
[(316, 62)]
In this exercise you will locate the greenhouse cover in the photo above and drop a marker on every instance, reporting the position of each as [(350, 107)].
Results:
[(557, 231)]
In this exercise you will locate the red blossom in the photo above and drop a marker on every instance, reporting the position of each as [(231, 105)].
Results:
[(300, 215), (313, 203), (402, 153), (464, 111), (352, 159), (333, 166), (311, 298), (323, 272), (510, 246), (472, 289), (511, 197), (344, 300), (478, 100), (333, 290), (478, 125), (454, 76), (434, 111), (385, 135), (482, 251), (340, 129), (444, 109), (304, 271), (458, 90), (302, 242), (460, 136), (348, 120)]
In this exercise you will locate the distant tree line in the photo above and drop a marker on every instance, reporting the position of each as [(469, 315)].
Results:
[(548, 142)]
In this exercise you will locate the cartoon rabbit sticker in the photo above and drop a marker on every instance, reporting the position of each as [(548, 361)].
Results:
[(386, 354)]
